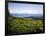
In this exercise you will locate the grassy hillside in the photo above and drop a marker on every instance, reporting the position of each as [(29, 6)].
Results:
[(24, 24)]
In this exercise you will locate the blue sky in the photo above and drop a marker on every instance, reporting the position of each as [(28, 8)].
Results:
[(21, 8)]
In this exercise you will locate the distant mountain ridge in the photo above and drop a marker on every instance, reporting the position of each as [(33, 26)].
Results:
[(36, 16)]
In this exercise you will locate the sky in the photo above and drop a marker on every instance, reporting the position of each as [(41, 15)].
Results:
[(22, 8)]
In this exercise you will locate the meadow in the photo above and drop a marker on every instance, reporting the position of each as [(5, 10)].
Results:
[(21, 25)]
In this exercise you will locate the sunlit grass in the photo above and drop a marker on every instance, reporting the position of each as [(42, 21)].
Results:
[(24, 24)]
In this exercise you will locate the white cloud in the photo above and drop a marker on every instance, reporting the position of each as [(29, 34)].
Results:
[(24, 11), (29, 9)]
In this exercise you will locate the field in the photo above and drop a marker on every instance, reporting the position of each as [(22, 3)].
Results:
[(24, 25)]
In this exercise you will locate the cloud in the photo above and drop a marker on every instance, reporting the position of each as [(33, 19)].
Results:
[(25, 9)]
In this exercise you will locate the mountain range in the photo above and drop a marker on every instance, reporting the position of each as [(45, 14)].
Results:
[(36, 16)]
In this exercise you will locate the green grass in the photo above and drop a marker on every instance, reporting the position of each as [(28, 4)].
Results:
[(24, 24)]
